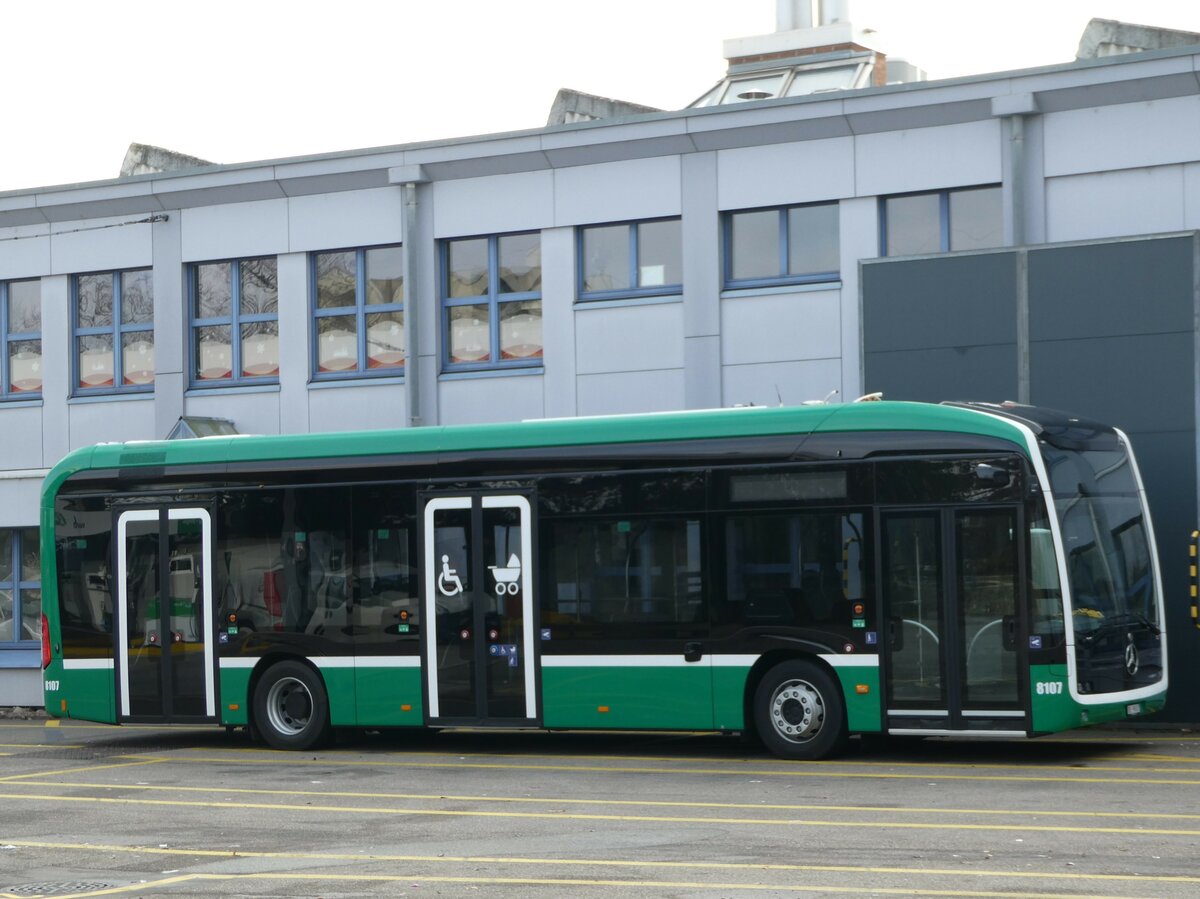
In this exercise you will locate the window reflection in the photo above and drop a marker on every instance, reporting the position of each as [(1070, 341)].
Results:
[(607, 575), (20, 337), (385, 340), (20, 586), (813, 239), (214, 353), (606, 258), (260, 349), (337, 343), (359, 311), (503, 273), (470, 336), (114, 349), (520, 258), (521, 329), (660, 253), (235, 333), (468, 267), (914, 225), (976, 219), (754, 245)]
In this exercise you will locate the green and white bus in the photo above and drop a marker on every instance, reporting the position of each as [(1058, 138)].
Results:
[(802, 574)]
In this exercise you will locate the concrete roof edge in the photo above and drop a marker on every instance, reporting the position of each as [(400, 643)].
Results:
[(391, 156)]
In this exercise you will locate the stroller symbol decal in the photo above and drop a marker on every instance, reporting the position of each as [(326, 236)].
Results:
[(508, 579)]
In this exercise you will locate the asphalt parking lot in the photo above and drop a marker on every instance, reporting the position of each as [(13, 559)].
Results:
[(89, 810)]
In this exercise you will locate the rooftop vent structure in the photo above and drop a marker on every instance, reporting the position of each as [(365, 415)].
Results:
[(814, 49)]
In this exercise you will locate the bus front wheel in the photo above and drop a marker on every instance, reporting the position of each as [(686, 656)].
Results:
[(798, 711), (291, 709)]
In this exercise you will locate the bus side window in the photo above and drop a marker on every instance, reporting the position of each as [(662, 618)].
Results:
[(604, 574), (793, 569)]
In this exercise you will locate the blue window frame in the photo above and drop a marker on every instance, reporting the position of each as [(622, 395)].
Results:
[(20, 587), (112, 332), (20, 339), (491, 298), (629, 259), (940, 221), (781, 246), (357, 313), (233, 312)]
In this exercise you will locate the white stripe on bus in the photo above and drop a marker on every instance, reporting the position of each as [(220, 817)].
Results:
[(87, 664), (677, 661)]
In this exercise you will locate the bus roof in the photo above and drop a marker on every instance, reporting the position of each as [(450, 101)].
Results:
[(644, 428)]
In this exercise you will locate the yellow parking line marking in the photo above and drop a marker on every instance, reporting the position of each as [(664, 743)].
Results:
[(42, 745), (565, 816), (597, 862), (17, 778), (796, 771), (619, 884), (636, 803), (779, 763)]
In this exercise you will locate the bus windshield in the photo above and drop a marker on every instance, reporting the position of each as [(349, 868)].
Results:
[(1115, 612)]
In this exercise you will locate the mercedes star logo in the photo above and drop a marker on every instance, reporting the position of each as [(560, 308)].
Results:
[(1131, 657)]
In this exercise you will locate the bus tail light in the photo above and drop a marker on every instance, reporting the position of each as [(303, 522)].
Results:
[(45, 643)]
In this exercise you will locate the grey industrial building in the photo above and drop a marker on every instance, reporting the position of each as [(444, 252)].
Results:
[(806, 230)]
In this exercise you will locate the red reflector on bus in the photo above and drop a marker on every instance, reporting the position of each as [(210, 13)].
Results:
[(406, 707), (601, 708), (233, 706), (45, 643), (862, 689)]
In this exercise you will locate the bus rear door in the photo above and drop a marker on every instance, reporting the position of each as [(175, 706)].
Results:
[(164, 615), (479, 609)]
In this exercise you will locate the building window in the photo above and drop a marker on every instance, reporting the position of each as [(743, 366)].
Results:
[(792, 245), (358, 313), (234, 309), (636, 259), (113, 331), (20, 586), (21, 339), (492, 302), (942, 221)]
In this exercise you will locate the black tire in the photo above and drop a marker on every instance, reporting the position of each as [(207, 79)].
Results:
[(291, 709), (799, 712)]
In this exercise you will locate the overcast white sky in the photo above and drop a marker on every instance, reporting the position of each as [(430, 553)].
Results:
[(262, 79)]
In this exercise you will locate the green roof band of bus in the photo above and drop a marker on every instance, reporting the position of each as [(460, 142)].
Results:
[(667, 426)]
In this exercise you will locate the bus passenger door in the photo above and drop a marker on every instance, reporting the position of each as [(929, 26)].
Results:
[(952, 591), (164, 616), (478, 600)]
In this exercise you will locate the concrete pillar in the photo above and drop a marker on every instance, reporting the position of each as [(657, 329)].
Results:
[(701, 282), (170, 332)]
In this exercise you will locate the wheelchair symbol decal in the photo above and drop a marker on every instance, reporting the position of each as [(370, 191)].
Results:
[(449, 583), (508, 579)]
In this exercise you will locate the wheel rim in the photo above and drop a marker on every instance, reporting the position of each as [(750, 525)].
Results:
[(289, 706), (797, 711)]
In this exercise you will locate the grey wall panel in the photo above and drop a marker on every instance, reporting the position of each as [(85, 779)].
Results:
[(1138, 383), (1122, 287), (956, 373), (952, 301)]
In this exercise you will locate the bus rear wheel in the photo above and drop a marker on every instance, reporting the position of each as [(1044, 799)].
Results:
[(799, 713), (291, 709)]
